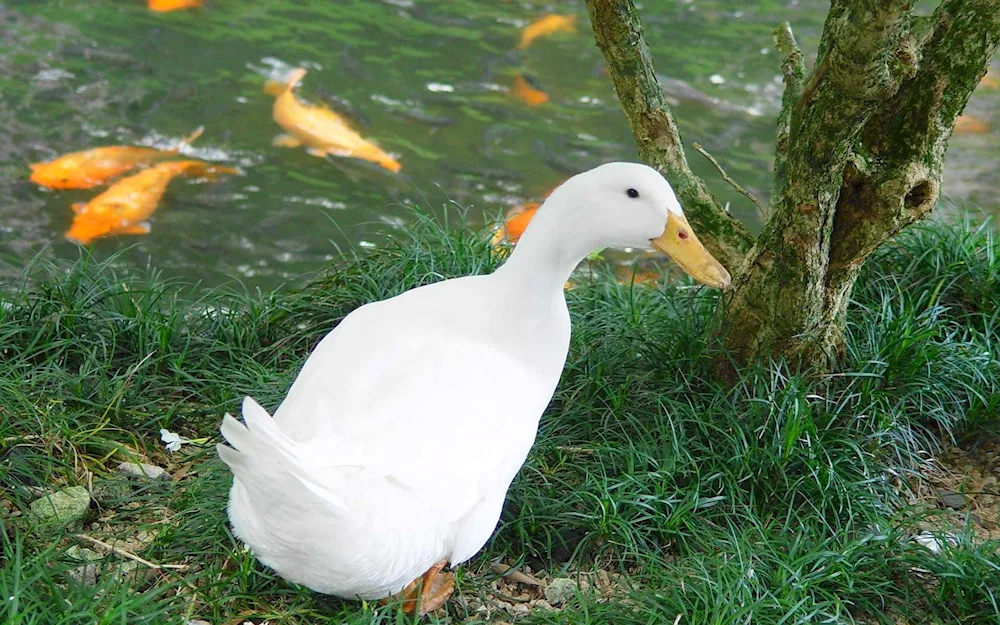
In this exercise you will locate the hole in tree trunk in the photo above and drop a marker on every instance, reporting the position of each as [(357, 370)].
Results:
[(918, 195)]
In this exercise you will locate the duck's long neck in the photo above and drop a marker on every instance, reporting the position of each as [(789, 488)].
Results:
[(543, 259)]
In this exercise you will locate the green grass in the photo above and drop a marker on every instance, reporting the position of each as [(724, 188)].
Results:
[(772, 501)]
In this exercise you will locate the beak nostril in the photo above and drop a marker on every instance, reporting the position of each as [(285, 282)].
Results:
[(682, 235)]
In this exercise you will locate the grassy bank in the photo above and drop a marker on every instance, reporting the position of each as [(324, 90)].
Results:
[(769, 502)]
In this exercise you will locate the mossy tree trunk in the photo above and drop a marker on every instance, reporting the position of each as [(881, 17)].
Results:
[(860, 150)]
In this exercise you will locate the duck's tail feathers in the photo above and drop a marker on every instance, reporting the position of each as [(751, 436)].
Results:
[(263, 457)]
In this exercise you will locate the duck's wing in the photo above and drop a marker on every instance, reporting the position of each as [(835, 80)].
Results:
[(447, 416)]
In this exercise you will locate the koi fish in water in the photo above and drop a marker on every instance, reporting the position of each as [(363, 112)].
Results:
[(967, 125), (991, 80), (127, 205), (165, 6), (516, 223), (91, 168), (321, 130), (526, 91), (517, 220), (546, 26)]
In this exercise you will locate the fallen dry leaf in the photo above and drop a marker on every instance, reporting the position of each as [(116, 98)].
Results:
[(515, 576)]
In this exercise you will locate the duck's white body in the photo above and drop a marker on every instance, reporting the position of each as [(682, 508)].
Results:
[(396, 444), (398, 447)]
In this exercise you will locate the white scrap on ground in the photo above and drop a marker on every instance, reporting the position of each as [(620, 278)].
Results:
[(172, 440)]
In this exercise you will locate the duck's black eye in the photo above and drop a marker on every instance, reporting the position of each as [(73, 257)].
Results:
[(632, 193)]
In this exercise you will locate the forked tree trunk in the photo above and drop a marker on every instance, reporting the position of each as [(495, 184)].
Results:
[(860, 148)]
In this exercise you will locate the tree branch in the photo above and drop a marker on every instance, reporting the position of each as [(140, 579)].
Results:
[(732, 183), (793, 71), (857, 71), (619, 36), (780, 291), (904, 144), (964, 36)]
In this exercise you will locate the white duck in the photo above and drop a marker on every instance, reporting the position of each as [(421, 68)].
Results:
[(391, 455)]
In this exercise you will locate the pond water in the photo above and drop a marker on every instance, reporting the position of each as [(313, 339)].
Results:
[(429, 81)]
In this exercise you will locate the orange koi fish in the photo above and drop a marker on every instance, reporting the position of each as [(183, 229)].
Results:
[(127, 205), (967, 125), (321, 130), (636, 276), (90, 168), (991, 80), (165, 6), (517, 220), (546, 26), (525, 90)]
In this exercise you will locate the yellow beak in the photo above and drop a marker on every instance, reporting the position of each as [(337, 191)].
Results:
[(679, 242)]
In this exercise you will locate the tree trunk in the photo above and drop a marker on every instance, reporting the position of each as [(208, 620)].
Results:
[(859, 156)]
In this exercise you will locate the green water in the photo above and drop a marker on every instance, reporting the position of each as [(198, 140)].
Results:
[(427, 79)]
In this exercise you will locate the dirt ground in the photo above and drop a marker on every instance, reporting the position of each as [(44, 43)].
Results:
[(964, 483)]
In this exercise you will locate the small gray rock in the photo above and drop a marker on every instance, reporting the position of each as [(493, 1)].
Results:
[(131, 573), (951, 499), (560, 590), (111, 491), (85, 575), (83, 554), (62, 507), (541, 604), (143, 471)]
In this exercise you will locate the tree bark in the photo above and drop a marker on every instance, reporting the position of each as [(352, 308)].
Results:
[(859, 155), (619, 36)]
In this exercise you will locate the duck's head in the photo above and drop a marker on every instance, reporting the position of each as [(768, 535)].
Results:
[(632, 205)]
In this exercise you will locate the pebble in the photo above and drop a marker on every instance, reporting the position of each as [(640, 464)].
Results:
[(951, 499), (108, 492), (88, 573), (140, 541), (85, 575), (83, 554), (560, 590), (62, 507), (143, 471), (503, 605), (131, 573)]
